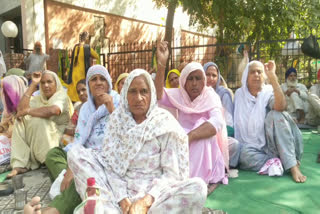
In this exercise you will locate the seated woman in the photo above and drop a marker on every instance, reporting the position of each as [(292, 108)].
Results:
[(172, 80), (70, 130), (200, 115), (216, 81), (120, 81), (153, 172), (90, 131), (12, 89), (40, 122), (266, 137)]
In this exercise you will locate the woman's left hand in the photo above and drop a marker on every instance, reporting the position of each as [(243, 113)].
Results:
[(142, 205), (22, 113)]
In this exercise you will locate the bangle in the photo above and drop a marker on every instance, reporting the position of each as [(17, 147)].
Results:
[(27, 95)]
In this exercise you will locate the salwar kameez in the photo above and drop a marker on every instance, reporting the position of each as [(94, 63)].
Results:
[(209, 158), (138, 159), (283, 140), (171, 196), (269, 139), (89, 133), (33, 137)]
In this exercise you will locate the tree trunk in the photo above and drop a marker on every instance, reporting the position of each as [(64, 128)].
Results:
[(169, 25), (169, 22)]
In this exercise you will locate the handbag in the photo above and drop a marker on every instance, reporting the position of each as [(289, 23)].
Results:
[(310, 47)]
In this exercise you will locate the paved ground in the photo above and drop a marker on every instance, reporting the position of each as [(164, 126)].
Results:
[(36, 182)]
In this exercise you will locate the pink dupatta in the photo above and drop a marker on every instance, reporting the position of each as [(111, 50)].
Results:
[(206, 101)]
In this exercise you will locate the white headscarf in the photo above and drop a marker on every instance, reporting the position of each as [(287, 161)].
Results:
[(3, 68), (250, 111), (59, 94), (125, 137), (88, 110)]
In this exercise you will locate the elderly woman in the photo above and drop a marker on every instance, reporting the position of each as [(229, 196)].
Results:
[(269, 140), (144, 164), (120, 81), (172, 80), (90, 131), (200, 115), (41, 122)]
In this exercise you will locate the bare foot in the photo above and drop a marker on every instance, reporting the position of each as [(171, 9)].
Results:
[(297, 176), (211, 188), (16, 171), (33, 207)]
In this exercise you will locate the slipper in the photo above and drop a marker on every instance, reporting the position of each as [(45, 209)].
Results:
[(5, 189), (206, 210)]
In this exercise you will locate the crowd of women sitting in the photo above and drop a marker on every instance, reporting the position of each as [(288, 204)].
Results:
[(143, 157)]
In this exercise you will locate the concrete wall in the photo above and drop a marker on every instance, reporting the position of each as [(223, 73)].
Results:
[(7, 5), (2, 39), (64, 23), (144, 10), (32, 15)]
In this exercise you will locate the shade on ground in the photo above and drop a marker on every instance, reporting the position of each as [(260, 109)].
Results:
[(253, 193)]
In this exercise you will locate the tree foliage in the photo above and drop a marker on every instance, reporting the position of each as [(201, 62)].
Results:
[(253, 20)]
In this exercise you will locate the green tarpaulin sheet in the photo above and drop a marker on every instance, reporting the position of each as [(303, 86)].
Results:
[(253, 193)]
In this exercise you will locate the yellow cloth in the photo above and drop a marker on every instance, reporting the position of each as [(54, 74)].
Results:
[(33, 137), (167, 79), (120, 77), (78, 72)]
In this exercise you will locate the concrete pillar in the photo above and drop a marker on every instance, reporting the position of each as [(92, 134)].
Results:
[(32, 14)]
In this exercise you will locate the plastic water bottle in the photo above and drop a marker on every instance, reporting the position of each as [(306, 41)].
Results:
[(92, 191)]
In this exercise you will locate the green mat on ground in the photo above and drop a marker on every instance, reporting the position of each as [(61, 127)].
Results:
[(3, 176), (253, 193)]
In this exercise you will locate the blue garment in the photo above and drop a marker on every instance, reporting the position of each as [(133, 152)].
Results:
[(92, 122), (224, 94)]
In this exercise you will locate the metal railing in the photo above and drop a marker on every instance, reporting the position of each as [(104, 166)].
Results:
[(126, 57)]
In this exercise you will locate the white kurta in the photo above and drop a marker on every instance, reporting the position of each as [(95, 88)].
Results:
[(296, 101), (151, 157), (313, 116), (153, 171)]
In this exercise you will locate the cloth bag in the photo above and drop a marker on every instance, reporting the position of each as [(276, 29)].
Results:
[(310, 47), (5, 149), (55, 187)]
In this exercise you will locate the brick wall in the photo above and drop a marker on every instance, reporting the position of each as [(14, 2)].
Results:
[(14, 60)]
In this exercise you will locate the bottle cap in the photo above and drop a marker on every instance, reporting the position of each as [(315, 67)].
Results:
[(91, 181)]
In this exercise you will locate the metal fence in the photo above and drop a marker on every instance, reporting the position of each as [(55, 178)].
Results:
[(287, 53), (126, 57)]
